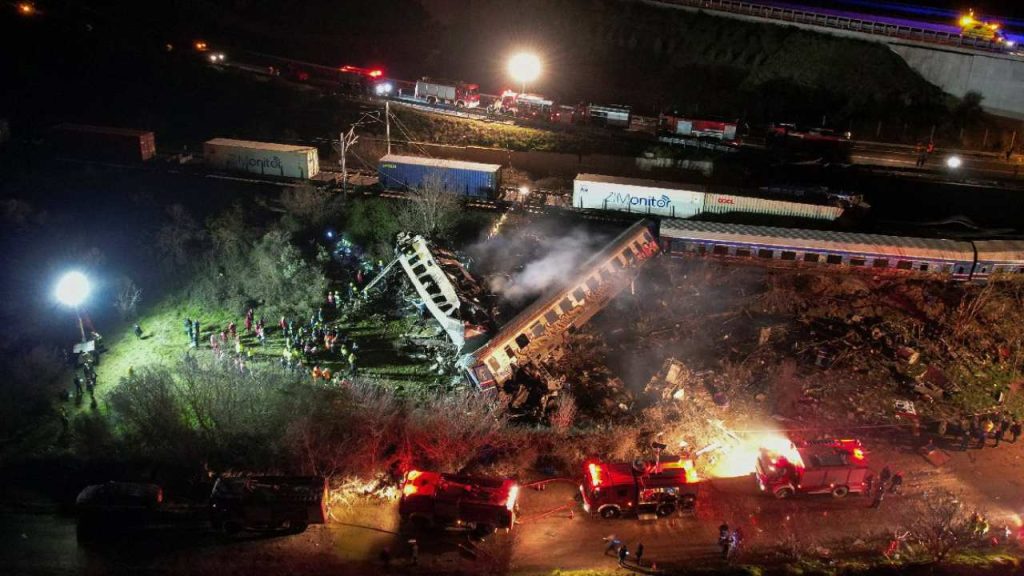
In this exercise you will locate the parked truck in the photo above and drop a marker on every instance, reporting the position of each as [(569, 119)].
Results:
[(836, 467), (268, 503), (471, 179), (264, 158), (103, 143), (660, 488), (450, 501), (457, 94)]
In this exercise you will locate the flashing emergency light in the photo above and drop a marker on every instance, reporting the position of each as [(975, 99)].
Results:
[(375, 73), (26, 9), (953, 162)]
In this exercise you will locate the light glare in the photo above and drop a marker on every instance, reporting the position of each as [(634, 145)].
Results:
[(72, 289), (524, 67)]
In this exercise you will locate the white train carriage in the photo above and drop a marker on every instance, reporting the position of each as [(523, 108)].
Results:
[(942, 258), (998, 258)]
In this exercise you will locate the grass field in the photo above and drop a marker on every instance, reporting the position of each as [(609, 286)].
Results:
[(164, 342)]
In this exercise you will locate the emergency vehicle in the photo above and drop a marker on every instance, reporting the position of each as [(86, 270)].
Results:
[(978, 30), (613, 489), (528, 106), (836, 467), (676, 125), (449, 501), (457, 94)]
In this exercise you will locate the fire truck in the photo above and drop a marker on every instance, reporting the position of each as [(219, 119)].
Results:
[(677, 125), (836, 467), (661, 487), (527, 106), (610, 116), (449, 501), (457, 94)]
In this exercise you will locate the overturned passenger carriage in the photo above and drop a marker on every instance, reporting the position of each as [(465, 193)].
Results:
[(535, 332)]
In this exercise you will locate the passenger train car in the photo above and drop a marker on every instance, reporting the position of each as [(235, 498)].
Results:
[(947, 259), (537, 330)]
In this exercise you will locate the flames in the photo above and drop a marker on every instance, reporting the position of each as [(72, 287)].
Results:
[(740, 457)]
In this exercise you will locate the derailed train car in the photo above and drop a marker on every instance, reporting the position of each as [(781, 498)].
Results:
[(537, 330)]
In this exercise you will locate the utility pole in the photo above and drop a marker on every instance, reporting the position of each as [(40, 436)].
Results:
[(346, 141), (387, 123)]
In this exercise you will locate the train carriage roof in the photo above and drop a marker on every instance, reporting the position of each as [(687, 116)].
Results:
[(1000, 250), (821, 240)]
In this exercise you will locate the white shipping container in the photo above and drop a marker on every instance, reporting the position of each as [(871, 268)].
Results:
[(726, 203), (637, 196), (268, 159)]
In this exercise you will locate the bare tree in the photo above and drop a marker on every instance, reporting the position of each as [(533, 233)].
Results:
[(432, 208), (127, 299), (564, 415), (939, 523)]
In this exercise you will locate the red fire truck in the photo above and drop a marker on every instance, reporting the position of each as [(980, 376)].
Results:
[(662, 487), (528, 106), (449, 501), (676, 125), (836, 467)]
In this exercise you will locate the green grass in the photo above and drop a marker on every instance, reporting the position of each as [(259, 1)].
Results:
[(164, 342)]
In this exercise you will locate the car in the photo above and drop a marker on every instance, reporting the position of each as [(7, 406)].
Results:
[(103, 508)]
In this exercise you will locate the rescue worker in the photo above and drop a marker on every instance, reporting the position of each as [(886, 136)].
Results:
[(623, 554), (613, 544), (941, 429), (639, 554), (879, 494), (65, 422), (78, 388), (981, 436), (138, 331), (189, 330), (965, 438), (282, 325), (248, 322), (884, 476), (232, 329), (930, 148), (352, 363), (1001, 429), (896, 484), (414, 552), (197, 330), (1015, 430), (919, 150)]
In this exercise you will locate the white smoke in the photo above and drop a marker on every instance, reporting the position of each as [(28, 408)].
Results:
[(559, 257)]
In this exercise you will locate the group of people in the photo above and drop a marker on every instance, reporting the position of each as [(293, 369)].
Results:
[(887, 482), (979, 429), (924, 151), (729, 540), (621, 551)]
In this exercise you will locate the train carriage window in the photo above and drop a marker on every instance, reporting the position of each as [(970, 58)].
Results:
[(947, 268), (483, 374), (811, 258), (960, 269), (880, 263), (638, 247), (550, 316), (537, 329), (494, 364), (904, 265), (765, 253), (678, 245), (720, 250), (923, 268), (593, 283), (702, 249), (565, 305), (648, 237), (578, 295), (628, 255), (508, 352), (743, 252), (787, 255), (522, 341), (857, 261), (607, 274), (984, 269), (617, 263), (834, 259)]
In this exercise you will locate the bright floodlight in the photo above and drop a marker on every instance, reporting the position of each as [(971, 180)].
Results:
[(524, 67), (953, 162), (72, 289)]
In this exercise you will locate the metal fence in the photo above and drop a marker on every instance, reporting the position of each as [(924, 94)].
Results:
[(840, 23)]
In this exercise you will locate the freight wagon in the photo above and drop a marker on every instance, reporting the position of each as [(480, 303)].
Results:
[(598, 192), (264, 158), (470, 179), (104, 142)]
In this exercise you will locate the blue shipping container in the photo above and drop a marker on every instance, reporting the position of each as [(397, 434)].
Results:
[(464, 178)]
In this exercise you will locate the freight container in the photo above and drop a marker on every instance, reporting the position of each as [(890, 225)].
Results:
[(634, 195), (465, 178), (715, 203), (103, 142), (267, 159)]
